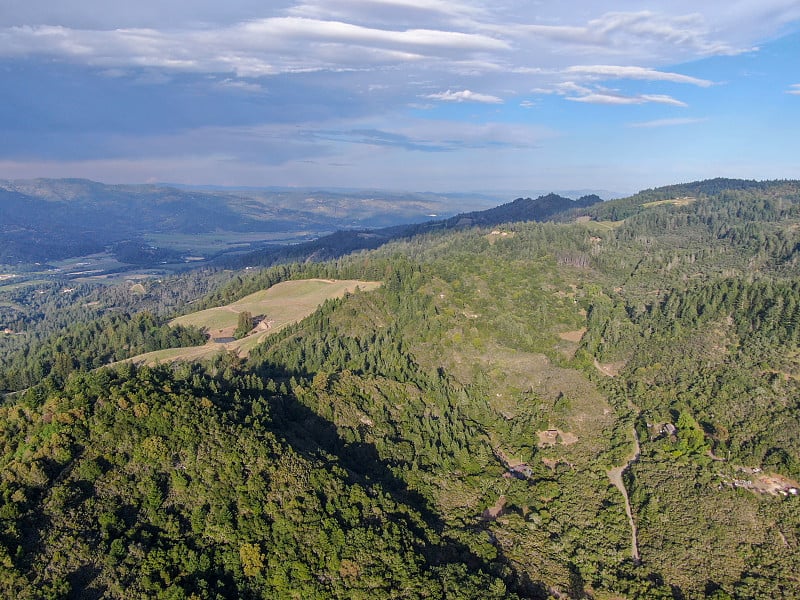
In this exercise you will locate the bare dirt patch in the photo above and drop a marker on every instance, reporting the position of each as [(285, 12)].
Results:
[(573, 336), (551, 437), (765, 483), (499, 235), (491, 513), (567, 438), (610, 369)]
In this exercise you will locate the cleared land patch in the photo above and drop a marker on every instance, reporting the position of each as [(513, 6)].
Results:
[(573, 336), (683, 201), (275, 308)]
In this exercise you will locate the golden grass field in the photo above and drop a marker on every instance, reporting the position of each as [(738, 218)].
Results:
[(276, 307)]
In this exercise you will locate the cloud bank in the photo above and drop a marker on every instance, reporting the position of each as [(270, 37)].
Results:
[(344, 82)]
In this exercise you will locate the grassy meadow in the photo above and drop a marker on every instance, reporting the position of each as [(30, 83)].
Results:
[(275, 308)]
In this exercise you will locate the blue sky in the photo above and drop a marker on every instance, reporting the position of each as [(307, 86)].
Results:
[(440, 95)]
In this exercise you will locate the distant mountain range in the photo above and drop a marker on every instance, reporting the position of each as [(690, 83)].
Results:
[(45, 220), (51, 219), (337, 244)]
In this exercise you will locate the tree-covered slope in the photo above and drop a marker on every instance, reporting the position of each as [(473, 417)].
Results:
[(341, 243), (459, 431), (148, 483)]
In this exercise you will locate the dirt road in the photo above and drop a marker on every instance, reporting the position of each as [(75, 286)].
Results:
[(615, 475)]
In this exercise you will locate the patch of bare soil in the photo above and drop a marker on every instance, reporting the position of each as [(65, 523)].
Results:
[(775, 484), (498, 234), (225, 332), (491, 513), (567, 438), (551, 437), (265, 325), (547, 438), (573, 336), (610, 369)]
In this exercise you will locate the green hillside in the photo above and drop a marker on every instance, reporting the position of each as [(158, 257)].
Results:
[(600, 407)]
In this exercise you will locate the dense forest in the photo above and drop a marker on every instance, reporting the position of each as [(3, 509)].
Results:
[(603, 405)]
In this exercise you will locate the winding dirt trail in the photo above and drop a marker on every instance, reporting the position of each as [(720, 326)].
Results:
[(615, 475)]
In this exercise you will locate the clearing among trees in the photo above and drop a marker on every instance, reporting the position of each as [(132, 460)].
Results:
[(273, 309)]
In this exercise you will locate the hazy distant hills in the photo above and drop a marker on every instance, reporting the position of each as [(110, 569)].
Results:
[(339, 243), (47, 219)]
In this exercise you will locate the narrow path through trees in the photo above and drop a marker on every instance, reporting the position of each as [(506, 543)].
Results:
[(615, 475)]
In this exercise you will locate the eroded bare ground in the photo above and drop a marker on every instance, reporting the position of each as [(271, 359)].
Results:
[(610, 369), (552, 437), (573, 336), (495, 511)]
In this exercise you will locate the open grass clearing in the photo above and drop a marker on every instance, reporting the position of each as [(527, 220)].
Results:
[(683, 201), (281, 305), (599, 226), (284, 303)]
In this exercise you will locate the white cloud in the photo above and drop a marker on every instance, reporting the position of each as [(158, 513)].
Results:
[(373, 8), (465, 96), (337, 31), (239, 84), (619, 99), (341, 71), (666, 123), (645, 32), (466, 37), (253, 48), (630, 72), (601, 95)]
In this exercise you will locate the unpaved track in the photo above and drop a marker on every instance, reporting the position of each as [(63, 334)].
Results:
[(615, 475)]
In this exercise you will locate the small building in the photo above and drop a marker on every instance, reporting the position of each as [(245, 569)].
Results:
[(522, 471)]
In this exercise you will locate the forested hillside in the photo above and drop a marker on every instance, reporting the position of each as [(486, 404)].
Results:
[(603, 406)]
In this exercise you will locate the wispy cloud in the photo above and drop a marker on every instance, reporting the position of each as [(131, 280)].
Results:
[(667, 122), (630, 72), (465, 96), (240, 84), (253, 48), (376, 137), (646, 31), (794, 89), (575, 92), (447, 8), (435, 136), (609, 98)]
